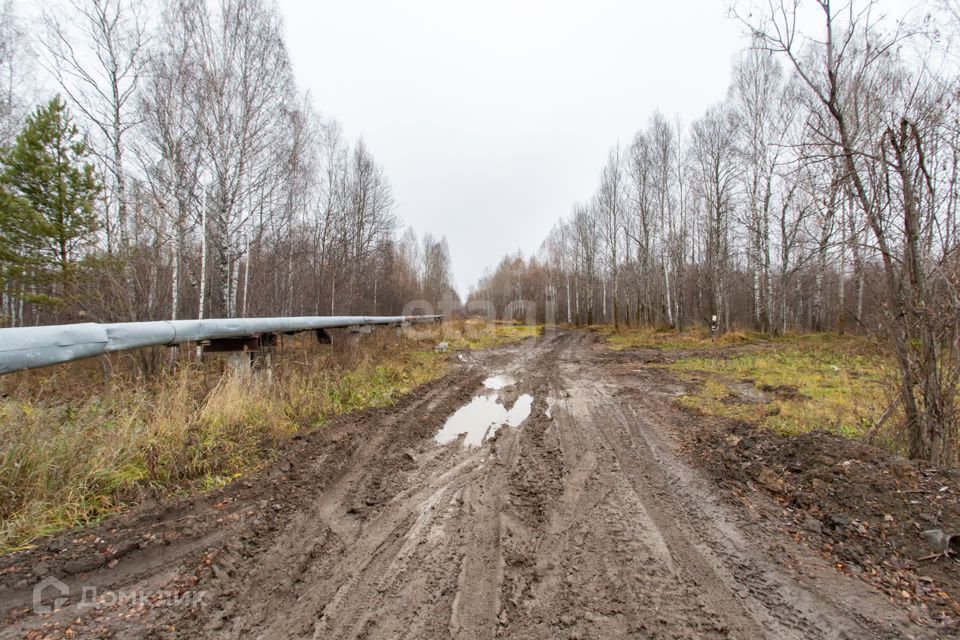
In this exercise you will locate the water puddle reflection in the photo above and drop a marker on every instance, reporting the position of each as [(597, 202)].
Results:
[(482, 417), (499, 381)]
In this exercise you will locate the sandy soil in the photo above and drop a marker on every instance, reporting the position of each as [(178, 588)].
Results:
[(589, 520)]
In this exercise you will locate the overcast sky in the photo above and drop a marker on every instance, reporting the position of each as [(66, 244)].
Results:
[(492, 118)]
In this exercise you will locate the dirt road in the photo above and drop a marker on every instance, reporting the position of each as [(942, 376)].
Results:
[(582, 522)]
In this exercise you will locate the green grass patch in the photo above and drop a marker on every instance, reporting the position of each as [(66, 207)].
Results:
[(821, 381)]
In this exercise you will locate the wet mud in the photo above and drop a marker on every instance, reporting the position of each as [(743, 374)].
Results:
[(580, 515)]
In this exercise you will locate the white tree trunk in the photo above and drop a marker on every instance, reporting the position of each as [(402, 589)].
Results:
[(203, 261), (666, 283), (234, 287), (246, 280)]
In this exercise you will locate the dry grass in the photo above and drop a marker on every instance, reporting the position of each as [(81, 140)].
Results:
[(76, 446), (668, 339), (88, 439), (474, 333), (795, 384)]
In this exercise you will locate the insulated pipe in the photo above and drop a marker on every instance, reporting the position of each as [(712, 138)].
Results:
[(32, 347)]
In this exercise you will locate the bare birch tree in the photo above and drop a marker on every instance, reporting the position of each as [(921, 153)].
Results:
[(95, 50), (887, 157), (610, 208)]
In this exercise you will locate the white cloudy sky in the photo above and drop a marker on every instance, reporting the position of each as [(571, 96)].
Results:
[(492, 118)]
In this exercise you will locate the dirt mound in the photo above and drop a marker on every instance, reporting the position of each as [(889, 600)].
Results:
[(862, 508)]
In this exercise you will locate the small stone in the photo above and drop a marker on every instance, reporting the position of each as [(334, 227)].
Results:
[(771, 480), (837, 520), (813, 525), (83, 565), (901, 468)]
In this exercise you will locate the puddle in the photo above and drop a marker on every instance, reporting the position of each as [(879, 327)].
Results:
[(499, 381), (482, 417)]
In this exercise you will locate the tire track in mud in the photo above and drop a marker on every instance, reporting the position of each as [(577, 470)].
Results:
[(422, 559), (683, 504), (580, 523), (368, 512), (604, 568)]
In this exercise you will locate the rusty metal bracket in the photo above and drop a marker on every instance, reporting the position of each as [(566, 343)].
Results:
[(247, 343)]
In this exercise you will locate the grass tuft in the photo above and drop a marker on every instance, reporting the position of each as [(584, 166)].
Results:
[(98, 445)]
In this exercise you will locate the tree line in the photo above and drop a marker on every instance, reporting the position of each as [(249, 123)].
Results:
[(179, 172), (821, 193)]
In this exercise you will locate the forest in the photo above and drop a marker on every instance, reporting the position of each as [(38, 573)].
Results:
[(160, 162), (819, 194)]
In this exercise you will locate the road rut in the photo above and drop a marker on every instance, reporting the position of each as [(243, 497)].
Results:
[(583, 522)]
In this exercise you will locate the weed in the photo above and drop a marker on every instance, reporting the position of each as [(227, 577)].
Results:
[(668, 339), (820, 381), (77, 445), (477, 334)]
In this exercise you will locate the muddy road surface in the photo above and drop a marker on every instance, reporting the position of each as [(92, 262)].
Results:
[(581, 521)]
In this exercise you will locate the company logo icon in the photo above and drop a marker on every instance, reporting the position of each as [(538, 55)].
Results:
[(46, 588)]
